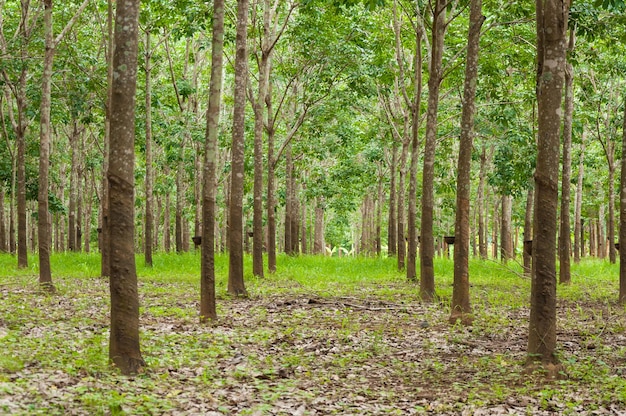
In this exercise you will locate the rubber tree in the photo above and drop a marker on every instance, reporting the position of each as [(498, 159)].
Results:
[(552, 17)]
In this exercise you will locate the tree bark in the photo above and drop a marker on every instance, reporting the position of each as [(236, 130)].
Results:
[(235, 273), (318, 233), (565, 241), (427, 251), (622, 225), (43, 217), (392, 234), (149, 219), (528, 231), (124, 350), (579, 246), (460, 308), (482, 221), (207, 279), (506, 245), (552, 17)]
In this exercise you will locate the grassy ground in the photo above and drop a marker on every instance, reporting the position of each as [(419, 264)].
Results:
[(322, 336)]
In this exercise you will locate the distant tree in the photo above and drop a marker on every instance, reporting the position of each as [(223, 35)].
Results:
[(552, 17), (124, 349)]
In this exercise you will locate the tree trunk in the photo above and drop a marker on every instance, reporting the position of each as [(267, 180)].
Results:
[(427, 251), (105, 237), (271, 203), (235, 232), (166, 223), (207, 278), (552, 16), (318, 244), (411, 272), (460, 307), (45, 142), (379, 216), (400, 210), (565, 242), (149, 219), (124, 349), (303, 227), (528, 231), (482, 221), (3, 230), (180, 200), (600, 234), (611, 220), (506, 245), (622, 225), (392, 243), (579, 246)]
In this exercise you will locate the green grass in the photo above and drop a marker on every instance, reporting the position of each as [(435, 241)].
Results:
[(335, 335)]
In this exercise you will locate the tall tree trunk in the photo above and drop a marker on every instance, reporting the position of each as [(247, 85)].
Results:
[(622, 225), (207, 279), (149, 218), (600, 234), (482, 221), (167, 229), (400, 210), (611, 220), (318, 244), (303, 224), (289, 203), (392, 234), (552, 17), (179, 221), (411, 272), (235, 273), (124, 349), (379, 216), (3, 230), (427, 251), (506, 245), (105, 236), (45, 142), (460, 307), (565, 241), (271, 203), (579, 246), (528, 231), (71, 218)]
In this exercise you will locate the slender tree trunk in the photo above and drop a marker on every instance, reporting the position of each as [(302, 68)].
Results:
[(506, 245), (149, 218), (166, 224), (528, 231), (400, 210), (379, 216), (124, 349), (482, 221), (611, 220), (3, 230), (180, 200), (411, 272), (622, 225), (235, 273), (207, 280), (303, 228), (318, 244), (45, 142), (593, 252), (579, 246), (105, 236), (600, 234), (460, 307), (427, 251), (552, 17), (565, 242), (392, 234), (271, 203)]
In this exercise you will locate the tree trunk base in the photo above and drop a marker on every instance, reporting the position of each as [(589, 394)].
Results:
[(48, 287), (464, 318), (129, 365), (547, 370)]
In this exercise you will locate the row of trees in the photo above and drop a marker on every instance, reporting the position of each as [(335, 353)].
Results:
[(330, 100)]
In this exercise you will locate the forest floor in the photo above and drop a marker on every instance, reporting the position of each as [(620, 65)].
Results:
[(308, 343)]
